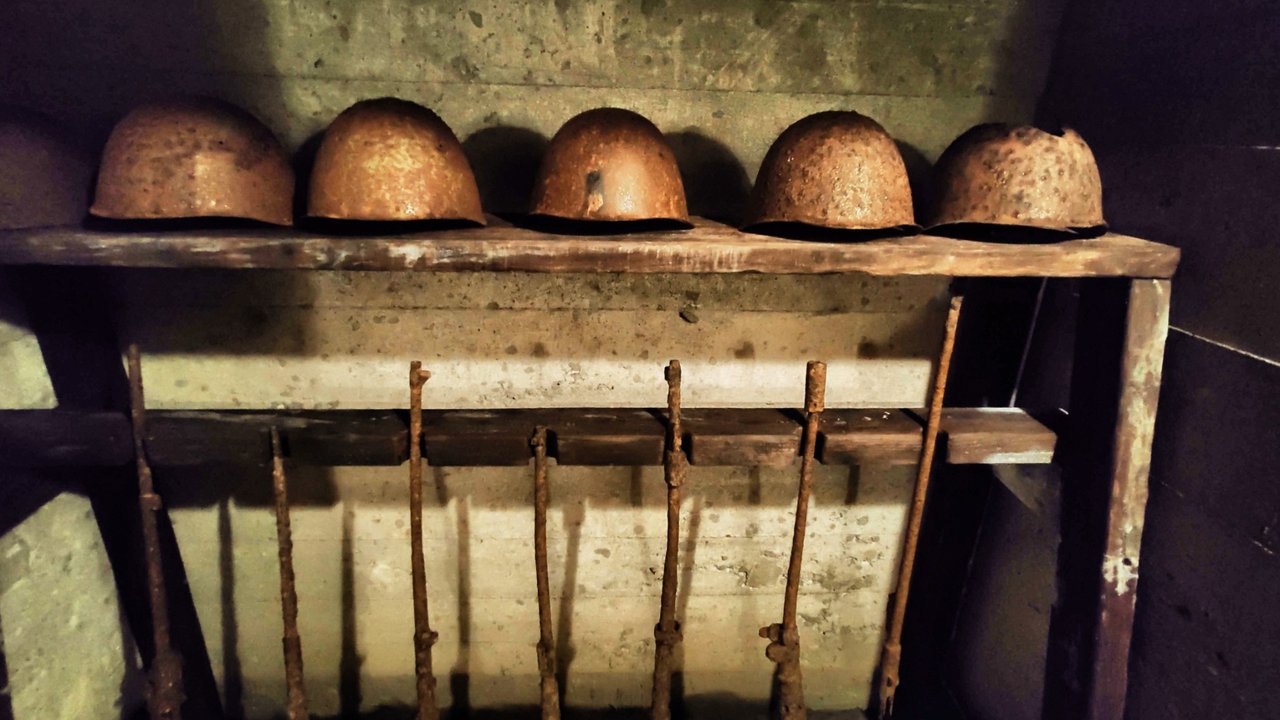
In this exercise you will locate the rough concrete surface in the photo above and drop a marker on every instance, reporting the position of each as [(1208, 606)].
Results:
[(62, 634), (722, 79)]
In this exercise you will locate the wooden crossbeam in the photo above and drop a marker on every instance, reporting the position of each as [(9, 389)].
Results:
[(52, 438)]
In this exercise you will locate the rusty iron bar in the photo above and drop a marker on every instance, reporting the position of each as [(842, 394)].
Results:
[(423, 636), (784, 637), (165, 693), (891, 658), (292, 641), (546, 641), (666, 633)]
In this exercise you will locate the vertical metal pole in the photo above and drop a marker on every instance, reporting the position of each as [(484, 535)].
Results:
[(423, 637), (546, 640), (666, 633), (891, 658), (292, 641), (784, 637), (165, 693)]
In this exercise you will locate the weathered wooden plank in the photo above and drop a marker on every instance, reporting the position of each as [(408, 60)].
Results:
[(609, 437), (54, 438), (330, 438), (996, 436), (706, 248), (1146, 327), (50, 438), (741, 437), (493, 438), (1115, 389), (855, 437)]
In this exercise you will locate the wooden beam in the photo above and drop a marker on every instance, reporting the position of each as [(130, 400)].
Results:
[(51, 438), (706, 248), (61, 438), (1115, 389), (330, 438), (996, 436), (869, 437), (741, 437)]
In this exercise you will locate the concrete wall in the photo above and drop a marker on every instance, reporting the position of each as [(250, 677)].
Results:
[(722, 79)]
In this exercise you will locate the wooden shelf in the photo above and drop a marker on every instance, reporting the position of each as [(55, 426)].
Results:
[(53, 438), (706, 248)]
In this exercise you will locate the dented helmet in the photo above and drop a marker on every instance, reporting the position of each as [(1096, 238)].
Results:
[(1018, 176), (609, 164), (193, 157), (836, 170), (391, 159), (44, 176)]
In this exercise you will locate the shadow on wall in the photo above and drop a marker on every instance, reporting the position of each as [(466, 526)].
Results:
[(715, 184), (505, 160), (919, 172), (88, 63)]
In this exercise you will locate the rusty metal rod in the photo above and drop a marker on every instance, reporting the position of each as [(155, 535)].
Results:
[(165, 693), (891, 658), (666, 633), (423, 636), (292, 641), (546, 641), (784, 637)]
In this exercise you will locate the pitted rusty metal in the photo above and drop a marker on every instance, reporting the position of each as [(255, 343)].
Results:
[(667, 635), (391, 159), (44, 176), (609, 164), (165, 692), (784, 637), (1021, 176), (423, 636), (194, 157), (836, 170), (292, 640), (891, 655), (546, 648)]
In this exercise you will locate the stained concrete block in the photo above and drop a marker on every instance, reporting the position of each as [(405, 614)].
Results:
[(606, 535), (68, 650)]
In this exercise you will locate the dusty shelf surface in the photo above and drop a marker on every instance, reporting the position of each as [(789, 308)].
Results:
[(708, 247), (601, 437)]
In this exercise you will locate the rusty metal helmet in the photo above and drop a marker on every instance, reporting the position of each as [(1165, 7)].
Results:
[(609, 164), (834, 169), (193, 157), (1007, 175), (391, 159), (44, 176)]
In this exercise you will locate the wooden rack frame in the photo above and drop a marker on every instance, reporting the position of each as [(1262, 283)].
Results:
[(488, 438), (1107, 439)]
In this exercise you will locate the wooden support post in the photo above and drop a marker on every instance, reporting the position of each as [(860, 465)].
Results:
[(1115, 389)]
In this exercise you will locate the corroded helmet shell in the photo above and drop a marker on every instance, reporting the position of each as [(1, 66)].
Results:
[(194, 157), (609, 164), (1022, 176), (44, 177), (834, 170), (391, 159)]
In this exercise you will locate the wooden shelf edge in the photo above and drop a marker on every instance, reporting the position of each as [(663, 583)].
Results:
[(706, 248), (714, 437)]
